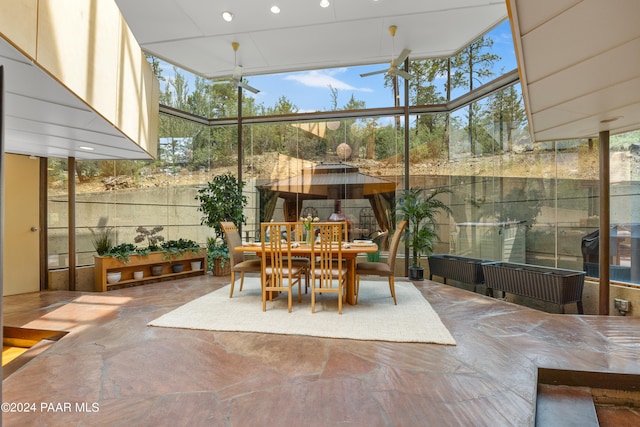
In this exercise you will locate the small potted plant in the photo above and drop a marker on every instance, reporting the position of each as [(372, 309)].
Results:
[(218, 257), (102, 240), (152, 237), (174, 249), (420, 211), (121, 252)]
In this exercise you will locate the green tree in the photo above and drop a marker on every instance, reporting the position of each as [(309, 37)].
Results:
[(505, 114), (473, 65)]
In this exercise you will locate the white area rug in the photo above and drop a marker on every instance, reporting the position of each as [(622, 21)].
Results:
[(375, 317)]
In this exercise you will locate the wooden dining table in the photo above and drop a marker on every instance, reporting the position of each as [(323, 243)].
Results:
[(349, 253)]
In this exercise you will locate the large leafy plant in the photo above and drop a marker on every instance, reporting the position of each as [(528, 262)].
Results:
[(222, 200), (420, 210)]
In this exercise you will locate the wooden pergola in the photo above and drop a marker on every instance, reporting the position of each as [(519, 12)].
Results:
[(329, 182)]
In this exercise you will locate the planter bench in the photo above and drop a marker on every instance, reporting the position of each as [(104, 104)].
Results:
[(549, 284), (455, 267), (143, 263)]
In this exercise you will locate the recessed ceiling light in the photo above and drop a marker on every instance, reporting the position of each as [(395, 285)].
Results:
[(324, 3), (86, 148), (227, 16), (275, 9)]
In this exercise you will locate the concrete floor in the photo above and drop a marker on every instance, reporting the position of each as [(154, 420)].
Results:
[(112, 369)]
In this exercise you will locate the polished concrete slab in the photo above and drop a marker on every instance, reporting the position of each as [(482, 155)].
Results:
[(112, 369)]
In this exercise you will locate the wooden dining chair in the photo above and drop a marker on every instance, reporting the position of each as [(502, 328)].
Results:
[(298, 235), (385, 269), (329, 273), (279, 272), (238, 263)]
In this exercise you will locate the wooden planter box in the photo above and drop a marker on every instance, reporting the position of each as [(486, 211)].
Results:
[(455, 267), (549, 284), (143, 263)]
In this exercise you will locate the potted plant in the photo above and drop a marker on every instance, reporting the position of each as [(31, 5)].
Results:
[(152, 237), (121, 252), (101, 240), (218, 256), (420, 211), (174, 249), (221, 200)]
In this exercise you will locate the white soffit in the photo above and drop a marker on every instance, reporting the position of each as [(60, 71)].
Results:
[(579, 62), (303, 36), (42, 118)]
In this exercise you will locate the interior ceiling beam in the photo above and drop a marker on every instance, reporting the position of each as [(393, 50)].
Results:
[(493, 86)]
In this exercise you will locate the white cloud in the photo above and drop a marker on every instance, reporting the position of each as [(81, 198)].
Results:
[(324, 79)]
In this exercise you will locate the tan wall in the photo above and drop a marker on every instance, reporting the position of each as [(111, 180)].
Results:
[(21, 272)]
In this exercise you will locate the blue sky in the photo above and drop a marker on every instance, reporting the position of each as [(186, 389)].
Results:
[(310, 90)]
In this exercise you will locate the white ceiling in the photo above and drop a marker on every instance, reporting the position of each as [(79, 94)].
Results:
[(579, 65), (303, 35), (579, 59)]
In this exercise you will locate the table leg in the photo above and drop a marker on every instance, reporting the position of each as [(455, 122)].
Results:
[(351, 281)]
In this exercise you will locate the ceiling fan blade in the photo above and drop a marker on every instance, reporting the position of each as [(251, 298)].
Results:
[(400, 59), (404, 74), (247, 87), (374, 72)]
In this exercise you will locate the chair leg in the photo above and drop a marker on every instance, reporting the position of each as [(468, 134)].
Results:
[(357, 287), (393, 289), (241, 280), (233, 282), (264, 297)]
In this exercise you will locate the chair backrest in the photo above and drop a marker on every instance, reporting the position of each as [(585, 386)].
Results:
[(232, 236), (395, 241), (380, 239), (276, 251), (326, 252), (298, 231)]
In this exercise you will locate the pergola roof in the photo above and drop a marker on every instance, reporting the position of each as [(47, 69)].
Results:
[(330, 181)]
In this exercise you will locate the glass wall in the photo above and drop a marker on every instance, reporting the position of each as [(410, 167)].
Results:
[(625, 207), (120, 196), (512, 199), (322, 168)]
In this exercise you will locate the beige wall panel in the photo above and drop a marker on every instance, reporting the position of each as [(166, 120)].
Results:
[(137, 94), (18, 24), (21, 245), (78, 43)]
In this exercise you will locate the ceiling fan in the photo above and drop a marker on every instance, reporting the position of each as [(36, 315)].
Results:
[(393, 69), (236, 78)]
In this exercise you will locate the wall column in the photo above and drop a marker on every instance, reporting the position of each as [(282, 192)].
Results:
[(605, 225), (71, 171)]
